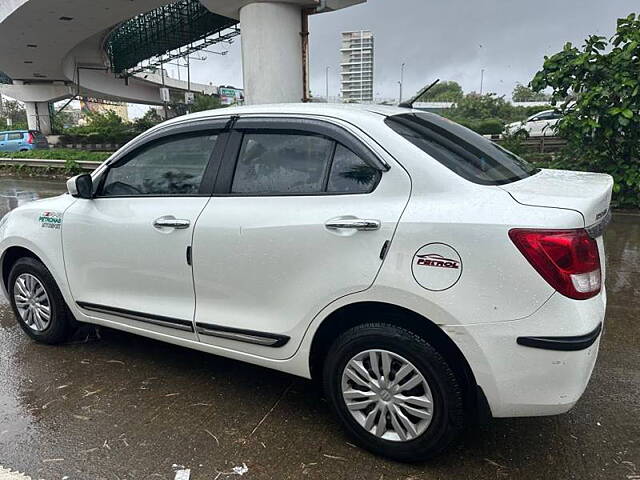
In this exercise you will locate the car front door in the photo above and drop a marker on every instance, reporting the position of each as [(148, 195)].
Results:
[(3, 143), (127, 251), (302, 215)]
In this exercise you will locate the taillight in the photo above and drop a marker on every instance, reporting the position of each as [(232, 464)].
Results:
[(567, 259), (30, 138)]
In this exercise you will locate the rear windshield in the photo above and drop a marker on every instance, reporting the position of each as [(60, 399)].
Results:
[(461, 150)]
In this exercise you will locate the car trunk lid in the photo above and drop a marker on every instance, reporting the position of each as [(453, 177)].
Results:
[(587, 193)]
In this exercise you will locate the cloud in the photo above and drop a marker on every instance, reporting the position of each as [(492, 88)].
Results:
[(451, 40)]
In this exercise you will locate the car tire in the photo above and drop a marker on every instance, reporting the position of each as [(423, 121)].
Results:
[(447, 415), (29, 276), (521, 134)]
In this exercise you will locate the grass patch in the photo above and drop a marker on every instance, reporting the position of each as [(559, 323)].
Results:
[(59, 154)]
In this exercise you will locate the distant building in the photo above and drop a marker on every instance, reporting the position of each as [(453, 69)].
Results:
[(93, 105), (357, 66)]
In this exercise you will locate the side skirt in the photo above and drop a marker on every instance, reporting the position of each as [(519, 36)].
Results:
[(246, 336), (236, 334), (184, 325)]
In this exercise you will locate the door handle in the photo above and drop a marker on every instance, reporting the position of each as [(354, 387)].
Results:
[(170, 222), (354, 223)]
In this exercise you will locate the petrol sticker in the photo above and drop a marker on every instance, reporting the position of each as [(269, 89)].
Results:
[(436, 266), (50, 220)]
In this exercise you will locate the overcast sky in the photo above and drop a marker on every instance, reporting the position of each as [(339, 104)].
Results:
[(447, 39)]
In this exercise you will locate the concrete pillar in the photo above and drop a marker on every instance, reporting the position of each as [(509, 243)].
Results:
[(39, 117), (271, 52)]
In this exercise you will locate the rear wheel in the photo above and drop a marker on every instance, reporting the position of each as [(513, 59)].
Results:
[(37, 302), (394, 393)]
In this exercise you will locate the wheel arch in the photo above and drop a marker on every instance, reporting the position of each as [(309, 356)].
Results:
[(9, 257), (351, 315)]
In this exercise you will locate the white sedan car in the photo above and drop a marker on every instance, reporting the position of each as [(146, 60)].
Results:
[(541, 124), (422, 274)]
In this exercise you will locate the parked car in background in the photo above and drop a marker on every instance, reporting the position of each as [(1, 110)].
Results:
[(541, 124), (22, 141), (419, 272)]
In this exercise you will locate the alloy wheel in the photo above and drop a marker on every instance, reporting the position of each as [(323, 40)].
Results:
[(387, 395), (32, 302)]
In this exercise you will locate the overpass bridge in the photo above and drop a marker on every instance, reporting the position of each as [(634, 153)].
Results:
[(58, 49)]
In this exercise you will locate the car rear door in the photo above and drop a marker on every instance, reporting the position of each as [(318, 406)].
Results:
[(301, 216), (14, 141), (127, 251)]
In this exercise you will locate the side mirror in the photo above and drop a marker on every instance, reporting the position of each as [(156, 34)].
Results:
[(81, 186)]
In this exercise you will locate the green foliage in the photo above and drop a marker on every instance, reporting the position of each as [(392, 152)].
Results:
[(522, 93), (71, 167), (205, 102), (60, 121), (150, 119), (102, 127), (486, 126), (443, 92), (602, 123), (514, 144), (487, 114), (59, 154), (480, 107), (16, 112)]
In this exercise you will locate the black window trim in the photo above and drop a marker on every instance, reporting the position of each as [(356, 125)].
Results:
[(167, 136), (333, 132)]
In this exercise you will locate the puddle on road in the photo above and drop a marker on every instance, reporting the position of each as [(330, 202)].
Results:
[(16, 191)]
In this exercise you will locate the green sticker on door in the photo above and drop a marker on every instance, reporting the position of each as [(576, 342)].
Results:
[(50, 220)]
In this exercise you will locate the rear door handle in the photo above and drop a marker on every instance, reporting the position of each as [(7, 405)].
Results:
[(367, 225), (171, 222)]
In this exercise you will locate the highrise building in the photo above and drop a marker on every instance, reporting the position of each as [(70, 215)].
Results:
[(357, 66)]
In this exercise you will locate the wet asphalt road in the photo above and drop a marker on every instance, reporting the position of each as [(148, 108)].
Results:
[(125, 407)]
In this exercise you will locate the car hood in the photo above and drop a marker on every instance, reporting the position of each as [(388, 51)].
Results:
[(587, 193)]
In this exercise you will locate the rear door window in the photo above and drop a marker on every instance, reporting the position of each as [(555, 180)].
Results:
[(463, 151), (299, 163), (275, 163), (12, 137), (351, 174)]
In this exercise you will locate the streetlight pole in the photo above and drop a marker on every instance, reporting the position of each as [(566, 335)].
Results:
[(481, 80), (327, 80), (401, 81)]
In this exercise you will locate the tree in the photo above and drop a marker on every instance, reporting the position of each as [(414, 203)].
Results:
[(14, 111), (61, 120), (443, 92), (522, 93), (205, 102), (148, 120), (489, 105), (597, 88)]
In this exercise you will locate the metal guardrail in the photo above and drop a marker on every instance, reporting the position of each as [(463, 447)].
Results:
[(541, 144), (38, 162)]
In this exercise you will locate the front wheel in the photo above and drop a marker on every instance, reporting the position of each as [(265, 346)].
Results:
[(37, 302), (394, 393)]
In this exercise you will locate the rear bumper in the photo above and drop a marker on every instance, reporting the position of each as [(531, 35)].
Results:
[(539, 365)]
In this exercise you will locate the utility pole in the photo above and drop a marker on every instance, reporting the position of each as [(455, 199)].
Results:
[(481, 80), (164, 102), (401, 81), (327, 80)]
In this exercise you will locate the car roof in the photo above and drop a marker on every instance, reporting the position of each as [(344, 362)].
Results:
[(337, 110), (14, 131)]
